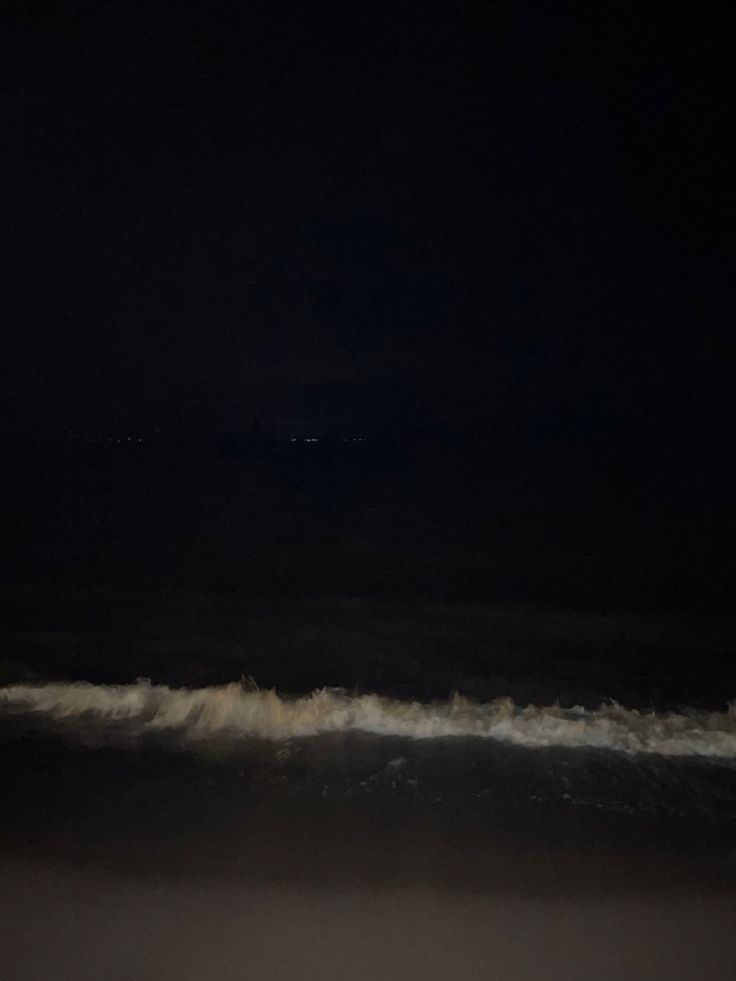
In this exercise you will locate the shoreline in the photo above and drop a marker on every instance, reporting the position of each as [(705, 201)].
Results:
[(361, 858), (338, 813)]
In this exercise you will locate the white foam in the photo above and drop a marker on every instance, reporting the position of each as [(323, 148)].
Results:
[(230, 711)]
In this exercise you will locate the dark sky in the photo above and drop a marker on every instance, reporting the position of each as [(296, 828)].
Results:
[(467, 217)]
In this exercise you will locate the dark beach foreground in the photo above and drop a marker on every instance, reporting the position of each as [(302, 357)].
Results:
[(78, 926), (361, 857)]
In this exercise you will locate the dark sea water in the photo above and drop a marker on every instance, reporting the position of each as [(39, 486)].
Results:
[(396, 521)]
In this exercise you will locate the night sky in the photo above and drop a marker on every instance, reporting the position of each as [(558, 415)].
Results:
[(495, 221)]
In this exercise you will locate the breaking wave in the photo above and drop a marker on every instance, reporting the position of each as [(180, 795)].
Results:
[(233, 712)]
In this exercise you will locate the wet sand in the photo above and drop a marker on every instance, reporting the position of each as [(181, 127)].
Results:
[(71, 925)]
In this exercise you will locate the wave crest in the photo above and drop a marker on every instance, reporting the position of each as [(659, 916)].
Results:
[(228, 710)]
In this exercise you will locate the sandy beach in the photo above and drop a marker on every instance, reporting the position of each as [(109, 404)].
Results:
[(75, 926)]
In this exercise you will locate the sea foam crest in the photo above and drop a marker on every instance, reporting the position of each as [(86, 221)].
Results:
[(230, 711)]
